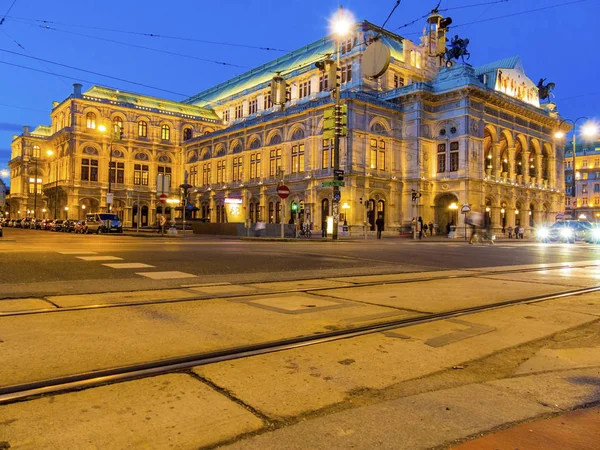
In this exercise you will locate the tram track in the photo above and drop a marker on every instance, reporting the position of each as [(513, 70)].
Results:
[(90, 379), (58, 309)]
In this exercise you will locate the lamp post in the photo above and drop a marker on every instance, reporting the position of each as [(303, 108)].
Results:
[(588, 130), (341, 26), (50, 153)]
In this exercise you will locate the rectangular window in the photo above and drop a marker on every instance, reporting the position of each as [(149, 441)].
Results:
[(274, 162), (304, 89), (584, 189), (346, 73), (166, 171), (239, 111), (584, 201), (585, 175), (596, 187), (267, 103), (441, 158), (253, 106), (585, 163), (237, 168), (142, 129), (206, 174), (398, 81), (226, 115), (453, 156), (255, 170), (33, 184), (347, 45), (117, 172), (298, 158), (323, 82), (327, 159), (89, 169), (221, 171), (194, 175)]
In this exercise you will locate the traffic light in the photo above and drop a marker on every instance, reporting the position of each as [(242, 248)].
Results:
[(294, 206), (329, 123), (414, 196), (335, 121), (341, 123), (329, 67), (301, 205)]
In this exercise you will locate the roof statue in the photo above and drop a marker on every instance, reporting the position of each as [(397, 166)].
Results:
[(458, 49), (545, 90)]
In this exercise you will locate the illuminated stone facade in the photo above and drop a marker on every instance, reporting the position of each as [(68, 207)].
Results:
[(584, 201), (451, 135)]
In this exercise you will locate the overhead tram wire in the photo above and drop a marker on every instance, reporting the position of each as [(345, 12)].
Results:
[(7, 12), (93, 72), (74, 78), (153, 35), (114, 41)]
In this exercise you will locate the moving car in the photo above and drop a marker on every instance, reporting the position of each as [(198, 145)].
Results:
[(566, 231), (103, 223)]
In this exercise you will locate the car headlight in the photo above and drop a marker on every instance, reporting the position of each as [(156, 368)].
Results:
[(596, 233), (566, 232), (543, 233)]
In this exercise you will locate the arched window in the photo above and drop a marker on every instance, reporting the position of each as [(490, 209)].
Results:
[(90, 120), (187, 134), (518, 158), (532, 162), (36, 151), (165, 133), (117, 126), (142, 129), (487, 152)]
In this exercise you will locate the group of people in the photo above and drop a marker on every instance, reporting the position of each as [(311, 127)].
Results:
[(517, 232), (421, 227)]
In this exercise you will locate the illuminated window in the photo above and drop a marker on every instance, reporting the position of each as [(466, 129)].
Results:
[(165, 133), (165, 171), (117, 172), (323, 82), (117, 125), (237, 168), (142, 129), (274, 162), (255, 170), (90, 120), (206, 174), (221, 171), (377, 154), (267, 103), (194, 175), (298, 158), (36, 153), (585, 163), (327, 158), (140, 174), (239, 111), (346, 73), (398, 81)]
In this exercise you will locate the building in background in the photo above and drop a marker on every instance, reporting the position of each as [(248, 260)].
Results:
[(583, 193), (3, 198), (422, 140)]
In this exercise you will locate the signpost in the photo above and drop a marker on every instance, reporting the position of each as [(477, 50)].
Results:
[(163, 198), (284, 192), (465, 209)]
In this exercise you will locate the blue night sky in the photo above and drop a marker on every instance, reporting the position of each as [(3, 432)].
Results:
[(556, 43)]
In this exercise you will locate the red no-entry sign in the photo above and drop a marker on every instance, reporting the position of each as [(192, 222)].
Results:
[(283, 191), (163, 198)]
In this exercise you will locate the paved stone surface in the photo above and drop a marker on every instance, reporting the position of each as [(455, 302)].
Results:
[(119, 297), (562, 390), (315, 377), (577, 430), (565, 277), (229, 289), (443, 295), (402, 276), (170, 411), (559, 359), (588, 303), (23, 304), (166, 275), (75, 341), (418, 422), (301, 284)]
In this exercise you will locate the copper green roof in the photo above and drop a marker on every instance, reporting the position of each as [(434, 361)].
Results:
[(150, 103), (42, 130), (291, 64)]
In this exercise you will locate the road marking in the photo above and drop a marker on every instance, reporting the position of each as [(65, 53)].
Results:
[(100, 258), (128, 265), (78, 253), (166, 275)]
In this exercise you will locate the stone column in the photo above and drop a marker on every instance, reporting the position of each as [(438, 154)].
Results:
[(497, 163), (538, 166), (525, 165)]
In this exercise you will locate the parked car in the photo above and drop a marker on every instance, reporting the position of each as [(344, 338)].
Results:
[(566, 231), (68, 226), (36, 224), (0, 230), (56, 225), (103, 223), (17, 223), (26, 222), (45, 224)]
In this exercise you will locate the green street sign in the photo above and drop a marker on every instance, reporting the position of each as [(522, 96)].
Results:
[(327, 184), (338, 183)]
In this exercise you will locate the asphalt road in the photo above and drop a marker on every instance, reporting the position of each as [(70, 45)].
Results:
[(43, 262)]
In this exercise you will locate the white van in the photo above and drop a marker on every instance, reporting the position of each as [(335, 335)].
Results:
[(103, 223)]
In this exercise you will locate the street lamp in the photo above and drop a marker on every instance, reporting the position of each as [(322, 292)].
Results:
[(50, 153), (341, 25), (588, 130)]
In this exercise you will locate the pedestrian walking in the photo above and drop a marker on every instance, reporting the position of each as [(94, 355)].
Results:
[(379, 224), (510, 232), (424, 230), (430, 228), (420, 226), (162, 223), (521, 232)]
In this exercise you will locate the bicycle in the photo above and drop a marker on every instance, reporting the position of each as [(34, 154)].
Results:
[(305, 231)]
